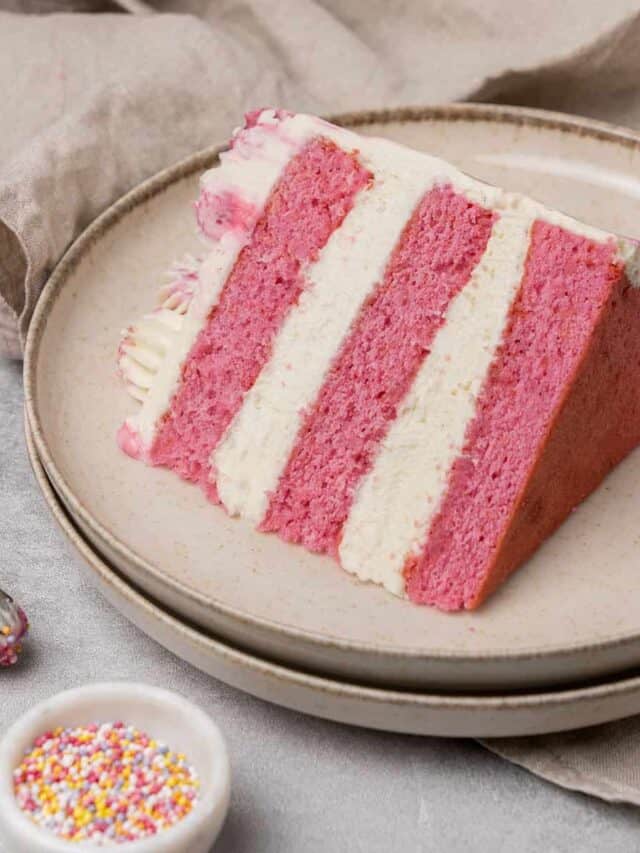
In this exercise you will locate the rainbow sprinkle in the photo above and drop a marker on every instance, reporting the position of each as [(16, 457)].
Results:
[(107, 783), (13, 627)]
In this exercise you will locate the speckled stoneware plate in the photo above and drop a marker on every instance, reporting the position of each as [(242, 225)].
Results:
[(571, 613), (439, 714)]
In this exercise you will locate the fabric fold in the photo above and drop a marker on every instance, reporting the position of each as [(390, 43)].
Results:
[(601, 761)]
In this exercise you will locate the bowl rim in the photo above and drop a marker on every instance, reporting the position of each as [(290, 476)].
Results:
[(198, 162), (214, 794)]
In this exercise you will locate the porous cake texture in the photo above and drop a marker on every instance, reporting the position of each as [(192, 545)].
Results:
[(384, 360)]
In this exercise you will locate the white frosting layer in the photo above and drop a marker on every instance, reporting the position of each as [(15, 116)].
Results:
[(395, 502), (144, 347)]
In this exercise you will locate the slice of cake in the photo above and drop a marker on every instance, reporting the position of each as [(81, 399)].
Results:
[(386, 361)]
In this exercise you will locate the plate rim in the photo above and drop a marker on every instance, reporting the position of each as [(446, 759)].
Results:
[(200, 638), (197, 162)]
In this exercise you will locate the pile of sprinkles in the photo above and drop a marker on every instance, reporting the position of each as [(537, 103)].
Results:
[(108, 783)]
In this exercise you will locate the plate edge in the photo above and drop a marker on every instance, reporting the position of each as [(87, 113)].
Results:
[(199, 161)]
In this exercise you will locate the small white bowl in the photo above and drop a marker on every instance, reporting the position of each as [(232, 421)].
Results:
[(165, 716)]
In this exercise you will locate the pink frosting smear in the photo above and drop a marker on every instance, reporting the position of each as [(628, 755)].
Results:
[(439, 248), (252, 118), (130, 442), (222, 211), (185, 277), (314, 194)]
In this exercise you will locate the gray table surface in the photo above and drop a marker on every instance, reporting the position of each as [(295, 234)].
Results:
[(300, 784)]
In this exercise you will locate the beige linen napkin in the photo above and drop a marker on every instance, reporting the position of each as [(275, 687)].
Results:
[(602, 760), (92, 104)]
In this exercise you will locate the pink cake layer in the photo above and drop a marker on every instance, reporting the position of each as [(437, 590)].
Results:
[(314, 194), (567, 283), (438, 250)]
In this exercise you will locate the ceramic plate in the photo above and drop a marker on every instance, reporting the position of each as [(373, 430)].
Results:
[(442, 715), (569, 614)]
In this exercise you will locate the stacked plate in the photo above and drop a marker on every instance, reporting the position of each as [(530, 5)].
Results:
[(544, 654)]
